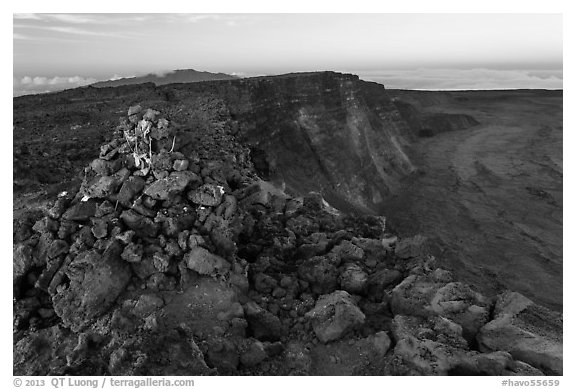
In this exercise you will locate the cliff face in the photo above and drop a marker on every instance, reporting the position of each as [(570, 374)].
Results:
[(327, 131)]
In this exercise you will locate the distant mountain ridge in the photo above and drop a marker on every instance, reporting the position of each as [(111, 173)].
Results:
[(177, 76)]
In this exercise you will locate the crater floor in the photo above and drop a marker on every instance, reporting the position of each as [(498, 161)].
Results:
[(491, 196)]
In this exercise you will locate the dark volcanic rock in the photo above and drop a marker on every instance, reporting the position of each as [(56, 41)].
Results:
[(209, 195), (321, 272), (353, 279), (95, 283), (334, 315), (204, 262), (263, 324), (81, 211), (142, 225), (174, 184), (527, 331), (130, 189)]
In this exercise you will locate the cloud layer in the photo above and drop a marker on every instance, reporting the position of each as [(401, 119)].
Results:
[(31, 85), (450, 79)]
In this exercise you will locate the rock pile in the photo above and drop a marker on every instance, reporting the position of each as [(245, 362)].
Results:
[(166, 263)]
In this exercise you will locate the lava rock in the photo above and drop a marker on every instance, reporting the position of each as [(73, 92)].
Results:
[(105, 168), (195, 240), (45, 225), (334, 315), (180, 165), (146, 304), (132, 252), (95, 283), (129, 190), (81, 211), (459, 303), (174, 184), (57, 247), (134, 110), (161, 262), (151, 115), (204, 262), (254, 355), (264, 283), (264, 325), (432, 346), (381, 280), (99, 228), (347, 251), (321, 272), (104, 186), (23, 260), (208, 195), (353, 279), (143, 226), (529, 332)]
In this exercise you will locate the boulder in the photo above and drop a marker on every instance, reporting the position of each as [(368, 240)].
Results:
[(195, 240), (264, 283), (151, 115), (95, 282), (208, 195), (161, 131), (321, 272), (423, 295), (45, 225), (459, 303), (413, 295), (134, 110), (381, 280), (317, 246), (161, 262), (23, 260), (105, 168), (263, 324), (353, 279), (82, 211), (180, 165), (56, 248), (335, 315), (302, 225), (436, 346), (143, 226), (146, 304), (348, 251), (204, 262), (99, 228), (381, 342), (130, 188), (223, 356), (104, 186), (175, 183), (132, 252), (432, 346), (254, 354), (529, 332)]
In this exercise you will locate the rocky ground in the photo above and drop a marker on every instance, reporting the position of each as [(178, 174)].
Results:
[(176, 258)]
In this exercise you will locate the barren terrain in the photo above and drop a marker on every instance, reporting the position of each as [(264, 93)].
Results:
[(491, 196), (235, 228)]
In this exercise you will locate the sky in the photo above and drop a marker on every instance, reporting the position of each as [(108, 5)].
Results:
[(414, 51)]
